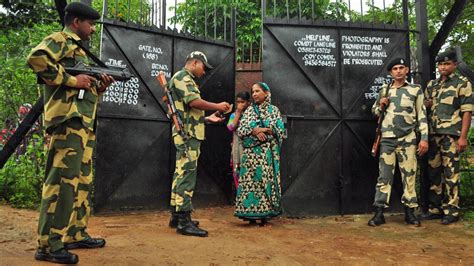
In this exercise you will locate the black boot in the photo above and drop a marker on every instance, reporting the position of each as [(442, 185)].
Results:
[(174, 220), (61, 256), (378, 218), (410, 217), (449, 219), (88, 242), (430, 216), (187, 227)]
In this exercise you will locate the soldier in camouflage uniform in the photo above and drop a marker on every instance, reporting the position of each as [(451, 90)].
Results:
[(191, 108), (405, 114), (450, 101), (70, 120)]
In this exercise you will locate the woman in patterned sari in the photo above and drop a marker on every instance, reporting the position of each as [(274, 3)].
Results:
[(261, 130)]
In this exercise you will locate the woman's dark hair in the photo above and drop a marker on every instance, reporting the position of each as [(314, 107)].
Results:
[(244, 95)]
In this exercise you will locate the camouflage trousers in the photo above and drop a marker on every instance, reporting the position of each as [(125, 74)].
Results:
[(65, 204), (392, 150), (184, 178), (443, 173)]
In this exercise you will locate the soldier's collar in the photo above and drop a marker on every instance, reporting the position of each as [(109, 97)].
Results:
[(71, 34), (189, 72), (403, 85), (449, 77)]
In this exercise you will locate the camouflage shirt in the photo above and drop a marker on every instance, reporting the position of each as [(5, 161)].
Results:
[(184, 91), (405, 112), (450, 98), (48, 60)]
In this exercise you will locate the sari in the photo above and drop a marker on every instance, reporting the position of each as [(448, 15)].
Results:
[(259, 190)]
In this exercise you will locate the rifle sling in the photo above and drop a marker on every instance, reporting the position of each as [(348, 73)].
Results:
[(90, 54)]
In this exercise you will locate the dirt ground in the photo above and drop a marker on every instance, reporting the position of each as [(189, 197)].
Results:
[(145, 239)]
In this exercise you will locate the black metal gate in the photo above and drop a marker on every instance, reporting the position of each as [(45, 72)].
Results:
[(325, 78), (135, 153)]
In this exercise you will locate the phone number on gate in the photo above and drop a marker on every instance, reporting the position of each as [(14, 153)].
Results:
[(119, 97)]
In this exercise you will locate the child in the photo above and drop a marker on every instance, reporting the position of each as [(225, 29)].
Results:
[(242, 101)]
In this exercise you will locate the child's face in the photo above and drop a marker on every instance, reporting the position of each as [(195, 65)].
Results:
[(241, 104)]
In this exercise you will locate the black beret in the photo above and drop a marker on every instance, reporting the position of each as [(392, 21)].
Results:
[(397, 61), (446, 56), (82, 10)]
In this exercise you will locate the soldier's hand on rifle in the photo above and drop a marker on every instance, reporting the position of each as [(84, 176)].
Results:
[(223, 107), (384, 102), (105, 81), (428, 103), (422, 147), (84, 81)]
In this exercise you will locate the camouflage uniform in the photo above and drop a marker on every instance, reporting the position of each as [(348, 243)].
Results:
[(65, 204), (451, 98), (404, 115), (185, 90)]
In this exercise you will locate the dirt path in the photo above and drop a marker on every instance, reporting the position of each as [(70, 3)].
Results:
[(144, 239)]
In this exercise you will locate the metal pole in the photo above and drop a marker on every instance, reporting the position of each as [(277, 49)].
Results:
[(299, 11), (205, 20), (373, 14), (105, 9), (423, 51), (195, 18), (407, 28), (175, 6), (233, 28), (163, 13), (215, 20), (128, 16), (225, 23), (350, 15), (396, 13), (384, 11), (405, 14), (274, 9), (141, 11)]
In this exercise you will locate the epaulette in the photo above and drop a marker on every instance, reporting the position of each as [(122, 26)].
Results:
[(414, 85), (463, 78), (57, 36)]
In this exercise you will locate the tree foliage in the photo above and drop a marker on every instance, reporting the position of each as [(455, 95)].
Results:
[(24, 14), (24, 25)]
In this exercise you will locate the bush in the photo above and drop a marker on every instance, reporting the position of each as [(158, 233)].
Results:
[(21, 178)]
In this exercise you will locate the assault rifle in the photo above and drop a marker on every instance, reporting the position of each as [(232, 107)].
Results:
[(173, 113), (119, 74), (378, 131)]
